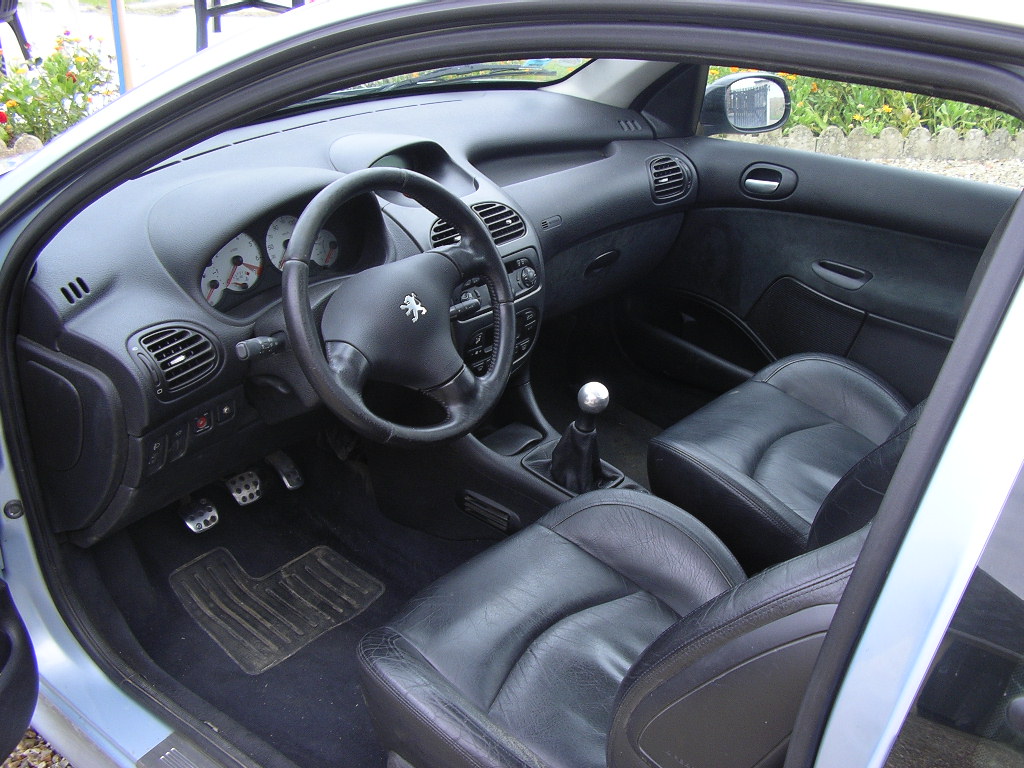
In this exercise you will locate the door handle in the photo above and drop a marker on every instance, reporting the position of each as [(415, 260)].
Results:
[(768, 181), (843, 275), (760, 186)]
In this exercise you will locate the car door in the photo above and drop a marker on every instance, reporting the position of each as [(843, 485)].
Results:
[(19, 679), (790, 251)]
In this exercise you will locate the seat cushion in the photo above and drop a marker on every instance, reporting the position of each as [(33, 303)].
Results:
[(756, 463), (516, 657)]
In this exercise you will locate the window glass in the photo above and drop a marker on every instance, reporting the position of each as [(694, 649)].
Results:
[(898, 128), (970, 710)]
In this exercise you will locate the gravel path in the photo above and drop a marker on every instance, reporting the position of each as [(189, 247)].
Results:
[(1009, 173), (33, 752)]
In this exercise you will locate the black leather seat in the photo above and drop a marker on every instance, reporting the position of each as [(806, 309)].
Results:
[(589, 639), (760, 464)]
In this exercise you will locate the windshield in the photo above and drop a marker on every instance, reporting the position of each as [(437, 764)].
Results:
[(525, 71)]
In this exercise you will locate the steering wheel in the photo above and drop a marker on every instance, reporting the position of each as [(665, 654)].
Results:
[(391, 323)]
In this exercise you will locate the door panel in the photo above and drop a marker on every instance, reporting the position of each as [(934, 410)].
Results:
[(859, 260), (19, 678)]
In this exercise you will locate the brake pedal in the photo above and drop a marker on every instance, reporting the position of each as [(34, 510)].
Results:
[(199, 515), (245, 487), (286, 469)]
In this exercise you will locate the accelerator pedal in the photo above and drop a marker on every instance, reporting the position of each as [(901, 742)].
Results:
[(286, 469)]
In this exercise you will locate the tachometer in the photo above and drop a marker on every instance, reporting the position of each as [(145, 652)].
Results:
[(278, 235), (235, 267)]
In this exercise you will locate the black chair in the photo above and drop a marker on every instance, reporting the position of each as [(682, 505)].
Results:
[(9, 14), (215, 10), (616, 632)]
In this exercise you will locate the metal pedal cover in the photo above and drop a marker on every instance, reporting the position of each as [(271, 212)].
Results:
[(286, 469), (199, 515), (245, 487)]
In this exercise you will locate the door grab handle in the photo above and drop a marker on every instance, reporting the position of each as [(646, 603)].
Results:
[(767, 181), (760, 186), (843, 275)]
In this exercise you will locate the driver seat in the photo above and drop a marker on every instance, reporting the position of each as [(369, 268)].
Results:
[(615, 631)]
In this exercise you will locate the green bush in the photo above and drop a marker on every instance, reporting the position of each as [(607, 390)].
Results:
[(48, 96), (819, 103)]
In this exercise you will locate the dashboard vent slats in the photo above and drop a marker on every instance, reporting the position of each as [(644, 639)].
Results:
[(75, 290), (183, 356), (670, 179), (443, 233), (502, 222)]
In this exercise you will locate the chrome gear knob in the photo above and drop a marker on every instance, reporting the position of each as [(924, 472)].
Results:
[(593, 397)]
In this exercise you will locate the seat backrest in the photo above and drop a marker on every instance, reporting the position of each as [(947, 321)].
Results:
[(855, 499), (721, 688)]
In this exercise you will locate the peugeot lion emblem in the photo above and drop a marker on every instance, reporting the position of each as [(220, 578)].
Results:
[(413, 308)]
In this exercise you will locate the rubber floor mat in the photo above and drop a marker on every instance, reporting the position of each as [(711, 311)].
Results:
[(260, 622)]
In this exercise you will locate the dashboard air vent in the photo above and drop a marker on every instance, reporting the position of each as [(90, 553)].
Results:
[(75, 290), (443, 233), (502, 222), (670, 179), (183, 356)]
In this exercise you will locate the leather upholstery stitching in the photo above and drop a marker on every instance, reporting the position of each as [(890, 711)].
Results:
[(770, 515), (699, 544), (883, 387)]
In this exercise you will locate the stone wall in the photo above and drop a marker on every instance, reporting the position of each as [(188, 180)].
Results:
[(890, 144)]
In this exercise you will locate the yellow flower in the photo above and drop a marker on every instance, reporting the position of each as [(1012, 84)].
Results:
[(80, 59), (814, 88), (11, 104), (799, 103), (886, 108), (859, 117), (713, 71), (791, 77), (734, 69)]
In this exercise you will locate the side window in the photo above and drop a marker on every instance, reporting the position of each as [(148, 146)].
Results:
[(897, 128), (970, 710)]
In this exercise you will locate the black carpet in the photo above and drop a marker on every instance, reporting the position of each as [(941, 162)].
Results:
[(308, 706)]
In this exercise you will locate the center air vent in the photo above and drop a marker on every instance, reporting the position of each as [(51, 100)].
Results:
[(177, 358), (502, 222), (670, 178)]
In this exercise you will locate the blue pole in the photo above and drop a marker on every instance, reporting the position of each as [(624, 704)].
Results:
[(115, 17)]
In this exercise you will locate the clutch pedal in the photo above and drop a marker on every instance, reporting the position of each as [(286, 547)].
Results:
[(245, 487), (199, 515)]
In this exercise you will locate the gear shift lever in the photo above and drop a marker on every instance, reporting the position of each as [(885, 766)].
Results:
[(575, 462)]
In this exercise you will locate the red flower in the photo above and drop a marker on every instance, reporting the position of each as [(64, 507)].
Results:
[(3, 117), (71, 76)]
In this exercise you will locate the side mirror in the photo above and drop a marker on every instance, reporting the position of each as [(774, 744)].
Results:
[(745, 102)]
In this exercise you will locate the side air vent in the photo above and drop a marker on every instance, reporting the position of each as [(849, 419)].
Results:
[(75, 291), (183, 357), (502, 222), (670, 179), (443, 233), (630, 126)]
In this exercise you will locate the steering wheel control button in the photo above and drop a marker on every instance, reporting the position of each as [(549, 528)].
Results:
[(202, 423), (199, 515), (156, 454), (245, 487)]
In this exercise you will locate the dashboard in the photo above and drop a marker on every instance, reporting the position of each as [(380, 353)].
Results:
[(136, 306)]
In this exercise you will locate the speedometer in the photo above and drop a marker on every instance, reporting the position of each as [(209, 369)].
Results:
[(278, 235), (235, 267)]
